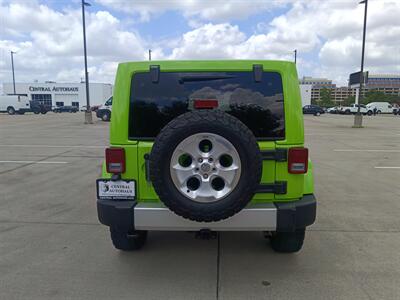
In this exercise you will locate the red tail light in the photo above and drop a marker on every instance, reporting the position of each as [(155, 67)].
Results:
[(205, 103), (298, 160), (115, 160)]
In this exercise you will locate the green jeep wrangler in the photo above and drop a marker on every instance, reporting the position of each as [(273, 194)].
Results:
[(207, 146)]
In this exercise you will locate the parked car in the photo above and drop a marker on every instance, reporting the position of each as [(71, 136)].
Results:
[(333, 110), (92, 108), (381, 108), (95, 107), (14, 104), (104, 111), (181, 159), (352, 109), (313, 110), (39, 108), (66, 108)]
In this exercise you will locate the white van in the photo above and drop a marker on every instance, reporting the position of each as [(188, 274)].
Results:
[(14, 104), (381, 107)]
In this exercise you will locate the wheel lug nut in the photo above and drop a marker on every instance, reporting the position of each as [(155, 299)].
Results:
[(210, 160), (205, 176), (197, 169), (200, 160)]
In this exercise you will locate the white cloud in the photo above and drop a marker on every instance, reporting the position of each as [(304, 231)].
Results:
[(334, 29), (330, 30), (26, 16), (49, 43), (212, 41), (206, 10), (327, 35), (209, 41)]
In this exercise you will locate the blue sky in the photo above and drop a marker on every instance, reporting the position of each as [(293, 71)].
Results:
[(47, 35)]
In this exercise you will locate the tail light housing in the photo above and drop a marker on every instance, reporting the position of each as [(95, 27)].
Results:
[(298, 160), (115, 160)]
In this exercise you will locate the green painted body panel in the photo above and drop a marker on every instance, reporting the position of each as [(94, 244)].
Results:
[(104, 173), (309, 180), (147, 192), (268, 173), (272, 171)]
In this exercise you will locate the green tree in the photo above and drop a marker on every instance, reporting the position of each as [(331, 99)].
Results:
[(378, 96), (349, 100), (374, 96), (326, 97), (393, 99)]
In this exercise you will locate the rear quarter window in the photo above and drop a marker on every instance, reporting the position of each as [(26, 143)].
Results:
[(259, 105)]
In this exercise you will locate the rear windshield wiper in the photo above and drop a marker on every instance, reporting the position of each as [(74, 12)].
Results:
[(203, 78)]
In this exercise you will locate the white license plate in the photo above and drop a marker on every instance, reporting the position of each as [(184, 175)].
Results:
[(116, 190)]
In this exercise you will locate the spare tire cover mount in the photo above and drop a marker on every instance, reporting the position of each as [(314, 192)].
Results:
[(205, 167)]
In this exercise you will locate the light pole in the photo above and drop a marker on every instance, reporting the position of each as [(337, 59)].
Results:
[(88, 113), (358, 115), (295, 56), (149, 54), (12, 66)]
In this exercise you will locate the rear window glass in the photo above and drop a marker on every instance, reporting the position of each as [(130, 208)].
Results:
[(259, 105)]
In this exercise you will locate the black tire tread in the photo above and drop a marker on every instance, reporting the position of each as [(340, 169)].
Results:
[(182, 122), (107, 116), (11, 110), (288, 242)]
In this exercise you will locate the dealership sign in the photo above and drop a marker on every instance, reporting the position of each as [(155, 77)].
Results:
[(53, 89), (355, 78)]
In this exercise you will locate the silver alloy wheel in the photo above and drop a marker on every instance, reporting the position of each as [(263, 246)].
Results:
[(205, 167)]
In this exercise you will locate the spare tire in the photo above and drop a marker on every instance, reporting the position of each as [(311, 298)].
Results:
[(205, 165)]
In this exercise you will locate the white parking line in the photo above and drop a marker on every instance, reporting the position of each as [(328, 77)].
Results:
[(31, 162), (366, 150), (52, 146), (387, 167)]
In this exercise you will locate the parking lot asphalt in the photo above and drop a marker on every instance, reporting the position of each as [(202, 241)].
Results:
[(52, 246)]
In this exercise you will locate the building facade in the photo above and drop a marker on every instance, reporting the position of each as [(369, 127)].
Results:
[(305, 92), (339, 94), (386, 83), (317, 85), (317, 82), (61, 94)]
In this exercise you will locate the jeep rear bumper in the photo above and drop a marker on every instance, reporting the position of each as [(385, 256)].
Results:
[(278, 216)]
